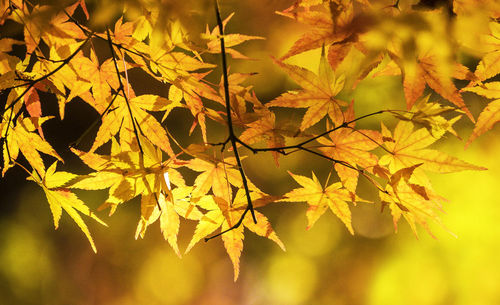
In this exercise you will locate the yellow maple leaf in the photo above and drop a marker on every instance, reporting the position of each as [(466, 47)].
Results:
[(321, 198), (491, 113), (489, 65), (408, 147), (61, 198), (23, 138), (226, 215), (217, 175)]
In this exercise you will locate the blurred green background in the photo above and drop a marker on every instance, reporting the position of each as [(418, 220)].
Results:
[(325, 265)]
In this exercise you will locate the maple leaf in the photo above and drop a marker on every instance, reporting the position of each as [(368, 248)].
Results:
[(352, 147), (428, 69), (217, 175), (321, 198), (120, 119), (416, 203), (61, 198), (428, 115), (23, 138), (100, 77), (265, 128), (408, 147), (490, 114), (44, 23), (191, 89), (318, 94), (168, 208), (123, 33), (230, 40), (328, 24), (225, 215), (127, 174), (489, 65), (174, 64)]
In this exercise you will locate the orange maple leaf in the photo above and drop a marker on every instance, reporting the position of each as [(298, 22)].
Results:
[(265, 128), (351, 146), (427, 70), (330, 22), (318, 94), (414, 202)]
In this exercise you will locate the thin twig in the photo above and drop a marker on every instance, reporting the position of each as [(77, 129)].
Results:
[(232, 136), (343, 125), (235, 226), (371, 139), (122, 89), (97, 121)]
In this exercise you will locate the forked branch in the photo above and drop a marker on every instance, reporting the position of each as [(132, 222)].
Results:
[(231, 137)]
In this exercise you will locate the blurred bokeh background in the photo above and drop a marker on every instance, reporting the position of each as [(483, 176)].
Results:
[(325, 265)]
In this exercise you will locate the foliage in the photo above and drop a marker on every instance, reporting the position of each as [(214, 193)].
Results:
[(135, 154)]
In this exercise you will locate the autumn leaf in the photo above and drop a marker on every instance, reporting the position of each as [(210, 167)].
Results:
[(428, 70), (230, 40), (23, 138), (225, 215), (217, 175), (265, 128), (102, 78), (429, 115), (168, 208), (490, 114), (414, 202), (353, 147), (61, 198), (55, 31), (489, 65), (122, 118), (408, 147), (327, 25), (318, 94), (320, 198), (127, 174)]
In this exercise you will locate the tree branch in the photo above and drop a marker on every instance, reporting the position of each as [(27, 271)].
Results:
[(232, 136), (122, 89)]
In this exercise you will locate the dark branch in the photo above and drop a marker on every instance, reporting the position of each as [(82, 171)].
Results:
[(236, 225), (122, 89), (232, 136)]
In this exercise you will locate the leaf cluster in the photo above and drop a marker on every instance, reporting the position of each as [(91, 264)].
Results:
[(358, 39)]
